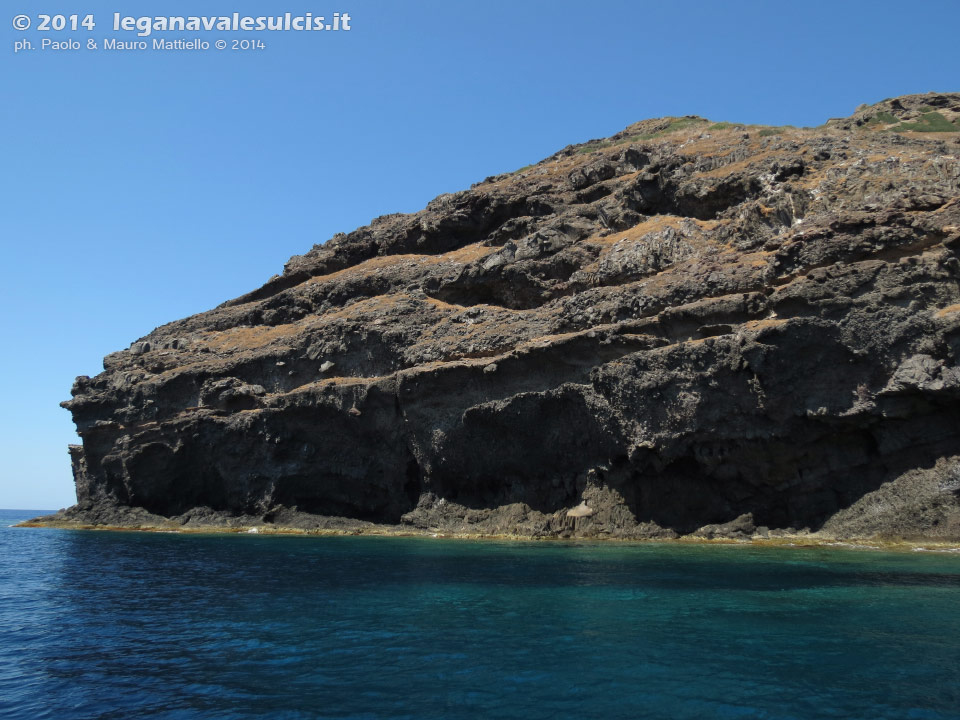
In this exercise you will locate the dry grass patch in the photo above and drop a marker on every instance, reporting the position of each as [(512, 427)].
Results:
[(246, 338)]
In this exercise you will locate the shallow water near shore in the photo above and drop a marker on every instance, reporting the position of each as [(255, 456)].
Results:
[(117, 625)]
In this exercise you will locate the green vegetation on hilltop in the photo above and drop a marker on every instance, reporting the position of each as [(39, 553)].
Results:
[(883, 118), (928, 122), (777, 130)]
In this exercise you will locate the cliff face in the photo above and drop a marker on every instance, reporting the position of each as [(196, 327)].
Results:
[(671, 328)]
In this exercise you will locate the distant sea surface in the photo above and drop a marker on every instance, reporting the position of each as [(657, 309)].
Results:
[(137, 625)]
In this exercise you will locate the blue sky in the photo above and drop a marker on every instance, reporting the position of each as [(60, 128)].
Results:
[(139, 188)]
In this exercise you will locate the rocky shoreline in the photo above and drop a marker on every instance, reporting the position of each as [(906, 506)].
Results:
[(778, 538), (505, 523), (686, 330)]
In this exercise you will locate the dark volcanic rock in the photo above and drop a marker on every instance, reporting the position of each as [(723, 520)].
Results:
[(682, 327)]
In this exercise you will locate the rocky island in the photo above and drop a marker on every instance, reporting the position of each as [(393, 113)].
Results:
[(689, 328)]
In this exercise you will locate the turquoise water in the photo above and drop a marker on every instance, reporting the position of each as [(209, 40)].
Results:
[(121, 625)]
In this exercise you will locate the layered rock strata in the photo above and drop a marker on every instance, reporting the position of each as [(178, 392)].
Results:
[(687, 328)]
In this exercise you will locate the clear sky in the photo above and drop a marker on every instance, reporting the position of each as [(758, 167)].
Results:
[(141, 187)]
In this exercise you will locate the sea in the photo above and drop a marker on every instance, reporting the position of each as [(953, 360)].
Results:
[(147, 625)]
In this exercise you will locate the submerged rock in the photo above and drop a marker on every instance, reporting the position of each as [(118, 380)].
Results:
[(685, 327)]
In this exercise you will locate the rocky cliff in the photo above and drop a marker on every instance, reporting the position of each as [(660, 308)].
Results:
[(688, 327)]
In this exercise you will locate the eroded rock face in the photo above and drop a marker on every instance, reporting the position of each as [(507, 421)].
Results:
[(685, 325)]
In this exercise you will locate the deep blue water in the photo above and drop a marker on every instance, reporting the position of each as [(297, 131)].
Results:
[(121, 625)]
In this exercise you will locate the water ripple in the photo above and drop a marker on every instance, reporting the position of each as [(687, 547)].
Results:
[(119, 625)]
